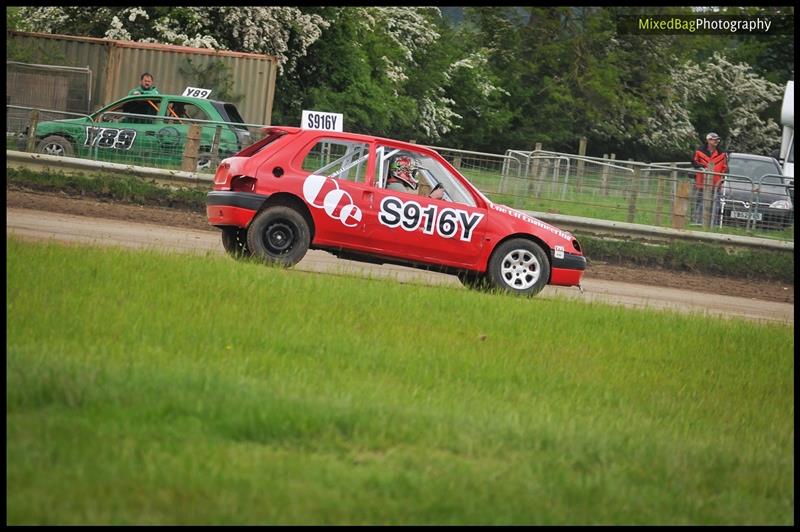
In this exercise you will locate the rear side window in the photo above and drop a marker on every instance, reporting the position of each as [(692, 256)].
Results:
[(337, 158), (229, 113), (261, 144), (178, 111)]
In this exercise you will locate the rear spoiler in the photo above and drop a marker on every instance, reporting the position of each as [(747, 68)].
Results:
[(290, 130)]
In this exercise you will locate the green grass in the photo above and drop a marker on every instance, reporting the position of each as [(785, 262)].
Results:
[(147, 388), (740, 263)]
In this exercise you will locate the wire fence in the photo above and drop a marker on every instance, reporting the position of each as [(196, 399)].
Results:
[(170, 142), (49, 86), (670, 194), (658, 194)]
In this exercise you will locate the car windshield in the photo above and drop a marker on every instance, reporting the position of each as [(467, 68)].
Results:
[(752, 168), (140, 106), (755, 170)]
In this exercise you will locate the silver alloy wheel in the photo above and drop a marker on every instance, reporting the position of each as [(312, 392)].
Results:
[(54, 148), (520, 269)]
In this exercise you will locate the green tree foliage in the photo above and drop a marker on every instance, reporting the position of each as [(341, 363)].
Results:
[(568, 72), (502, 77), (214, 75), (345, 73)]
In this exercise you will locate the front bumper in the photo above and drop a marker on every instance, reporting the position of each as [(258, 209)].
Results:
[(567, 271), (229, 208), (764, 218)]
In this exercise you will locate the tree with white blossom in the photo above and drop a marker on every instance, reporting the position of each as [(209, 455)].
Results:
[(394, 38), (285, 32), (718, 95)]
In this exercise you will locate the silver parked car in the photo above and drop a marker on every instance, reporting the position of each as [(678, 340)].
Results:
[(755, 193)]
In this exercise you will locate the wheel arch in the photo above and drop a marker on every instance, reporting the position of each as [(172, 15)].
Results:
[(526, 236), (287, 199), (67, 136)]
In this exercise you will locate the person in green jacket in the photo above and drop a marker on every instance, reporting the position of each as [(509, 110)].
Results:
[(146, 86)]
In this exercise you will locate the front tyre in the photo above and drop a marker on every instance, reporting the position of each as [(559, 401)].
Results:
[(55, 145), (234, 240), (279, 235), (520, 267)]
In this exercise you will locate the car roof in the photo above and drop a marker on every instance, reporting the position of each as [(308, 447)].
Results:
[(293, 130), (176, 96), (750, 156)]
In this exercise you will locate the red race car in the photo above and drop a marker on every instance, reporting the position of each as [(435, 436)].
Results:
[(378, 200)]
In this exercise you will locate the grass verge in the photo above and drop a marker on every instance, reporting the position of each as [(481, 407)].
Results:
[(147, 388), (124, 189), (697, 258)]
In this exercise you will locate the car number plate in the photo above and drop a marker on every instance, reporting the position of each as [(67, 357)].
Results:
[(746, 215)]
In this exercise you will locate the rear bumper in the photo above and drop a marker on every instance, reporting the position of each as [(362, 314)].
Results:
[(231, 208), (769, 218)]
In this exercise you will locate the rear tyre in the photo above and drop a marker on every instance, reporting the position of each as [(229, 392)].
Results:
[(55, 145), (520, 267), (279, 235), (234, 240)]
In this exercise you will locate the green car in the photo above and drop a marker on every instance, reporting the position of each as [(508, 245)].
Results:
[(147, 131)]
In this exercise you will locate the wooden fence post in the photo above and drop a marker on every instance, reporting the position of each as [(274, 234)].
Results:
[(634, 188), (605, 175), (579, 173), (31, 144), (543, 170), (533, 171), (659, 199), (626, 190), (707, 196), (215, 147), (189, 163), (681, 206)]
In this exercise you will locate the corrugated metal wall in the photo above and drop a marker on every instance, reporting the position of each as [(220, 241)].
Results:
[(48, 87), (117, 65)]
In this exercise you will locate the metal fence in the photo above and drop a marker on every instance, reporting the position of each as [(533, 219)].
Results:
[(656, 194), (50, 87), (659, 194)]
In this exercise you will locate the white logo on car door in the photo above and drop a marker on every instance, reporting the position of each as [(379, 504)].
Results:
[(324, 193)]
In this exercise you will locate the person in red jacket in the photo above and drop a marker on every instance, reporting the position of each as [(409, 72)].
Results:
[(709, 158)]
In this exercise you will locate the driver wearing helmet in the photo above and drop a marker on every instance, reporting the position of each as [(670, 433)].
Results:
[(401, 177)]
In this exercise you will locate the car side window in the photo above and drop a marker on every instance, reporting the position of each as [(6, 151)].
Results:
[(425, 174), (337, 158), (145, 106), (179, 112)]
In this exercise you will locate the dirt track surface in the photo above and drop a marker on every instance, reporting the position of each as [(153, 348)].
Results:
[(45, 216)]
